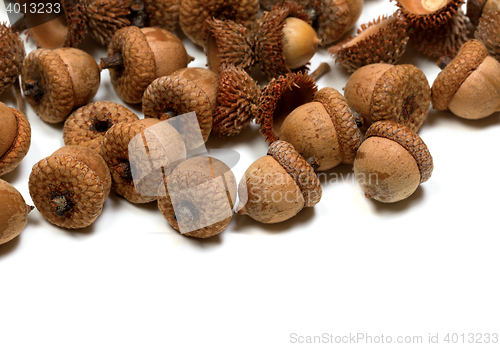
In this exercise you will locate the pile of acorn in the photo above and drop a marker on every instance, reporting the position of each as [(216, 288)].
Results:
[(308, 130)]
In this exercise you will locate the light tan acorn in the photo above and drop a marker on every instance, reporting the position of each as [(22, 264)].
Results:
[(136, 57), (57, 81), (391, 162), (383, 91), (70, 186), (469, 85), (278, 186), (197, 198), (477, 8), (15, 140), (12, 53), (13, 214), (87, 125), (488, 32), (428, 13)]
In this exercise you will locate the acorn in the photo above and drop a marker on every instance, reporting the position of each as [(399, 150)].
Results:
[(70, 186), (193, 13), (163, 14), (383, 40), (426, 14), (14, 212), (392, 162), (57, 81), (197, 198), (138, 154), (477, 8), (12, 53), (87, 125), (15, 140), (324, 129), (284, 39), (136, 57), (469, 85), (488, 33), (383, 91), (278, 186)]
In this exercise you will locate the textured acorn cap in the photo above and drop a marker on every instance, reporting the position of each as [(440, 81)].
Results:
[(488, 32), (383, 40), (87, 125), (470, 56), (383, 91), (13, 214), (12, 54), (335, 17), (20, 144), (163, 13), (281, 96), (409, 140), (426, 14), (237, 101)]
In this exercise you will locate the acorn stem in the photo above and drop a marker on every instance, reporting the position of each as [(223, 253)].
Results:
[(63, 205), (443, 62), (115, 61), (138, 15), (314, 163), (124, 170), (101, 123), (32, 88), (322, 69)]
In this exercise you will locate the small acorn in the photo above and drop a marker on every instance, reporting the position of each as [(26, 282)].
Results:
[(426, 14), (136, 57), (15, 140), (87, 125), (383, 91), (477, 8), (392, 162), (57, 81), (488, 32), (13, 214), (197, 198), (12, 55), (278, 186), (70, 186)]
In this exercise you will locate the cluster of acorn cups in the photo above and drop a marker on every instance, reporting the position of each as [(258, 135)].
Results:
[(308, 130)]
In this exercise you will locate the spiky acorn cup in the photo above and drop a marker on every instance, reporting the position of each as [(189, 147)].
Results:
[(477, 8), (70, 186), (12, 54), (87, 125), (488, 32), (237, 101), (14, 212), (382, 41), (67, 30), (383, 91), (15, 140), (227, 42), (280, 97), (426, 14), (284, 39), (193, 13), (444, 40)]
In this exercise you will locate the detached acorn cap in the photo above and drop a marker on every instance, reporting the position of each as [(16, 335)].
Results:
[(488, 32), (16, 138), (12, 54), (335, 17), (383, 40), (428, 13), (87, 125), (237, 101)]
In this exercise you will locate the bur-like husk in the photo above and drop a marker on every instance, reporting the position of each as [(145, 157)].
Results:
[(12, 54), (488, 32)]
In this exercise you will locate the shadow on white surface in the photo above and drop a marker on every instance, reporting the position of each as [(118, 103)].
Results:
[(9, 247), (397, 208), (243, 223), (435, 117)]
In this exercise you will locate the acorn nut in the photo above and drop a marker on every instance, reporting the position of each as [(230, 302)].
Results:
[(13, 214), (391, 162)]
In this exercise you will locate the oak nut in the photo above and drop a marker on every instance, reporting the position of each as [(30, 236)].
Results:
[(15, 140), (392, 162), (57, 81), (469, 85), (197, 198), (13, 214), (278, 186), (70, 186)]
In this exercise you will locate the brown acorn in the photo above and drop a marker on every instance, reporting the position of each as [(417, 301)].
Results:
[(57, 81), (136, 57), (488, 32), (193, 13), (12, 53), (426, 14), (138, 154), (13, 214), (70, 186), (383, 91), (163, 14), (383, 40), (476, 8), (87, 125), (15, 140), (198, 196)]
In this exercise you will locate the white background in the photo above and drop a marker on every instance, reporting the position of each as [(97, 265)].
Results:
[(429, 264)]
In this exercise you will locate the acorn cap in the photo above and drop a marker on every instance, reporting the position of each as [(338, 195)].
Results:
[(348, 133), (335, 17), (227, 42), (87, 125), (271, 99), (428, 15), (269, 37), (383, 40), (163, 13), (12, 54), (20, 145), (139, 68), (237, 101), (488, 32), (474, 10), (447, 82), (300, 170), (193, 13)]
